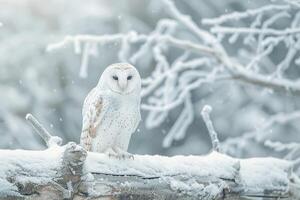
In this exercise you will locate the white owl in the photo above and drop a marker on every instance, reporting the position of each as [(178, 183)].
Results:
[(111, 111)]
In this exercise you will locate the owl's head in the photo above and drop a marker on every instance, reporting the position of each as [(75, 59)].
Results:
[(121, 78)]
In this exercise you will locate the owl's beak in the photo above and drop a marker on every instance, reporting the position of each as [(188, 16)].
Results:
[(123, 84)]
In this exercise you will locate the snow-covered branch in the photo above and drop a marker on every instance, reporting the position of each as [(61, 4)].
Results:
[(45, 135), (229, 30), (42, 175), (211, 130), (234, 16)]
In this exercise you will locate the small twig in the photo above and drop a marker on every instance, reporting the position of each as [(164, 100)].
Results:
[(212, 133), (41, 130), (235, 16), (267, 31)]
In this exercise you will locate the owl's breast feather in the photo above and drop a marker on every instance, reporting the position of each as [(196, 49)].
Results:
[(122, 115)]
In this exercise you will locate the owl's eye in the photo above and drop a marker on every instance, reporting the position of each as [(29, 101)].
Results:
[(129, 77), (115, 78)]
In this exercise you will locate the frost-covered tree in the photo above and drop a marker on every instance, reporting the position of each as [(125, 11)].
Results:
[(243, 63), (238, 57)]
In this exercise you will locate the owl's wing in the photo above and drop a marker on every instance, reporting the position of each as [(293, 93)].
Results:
[(92, 113)]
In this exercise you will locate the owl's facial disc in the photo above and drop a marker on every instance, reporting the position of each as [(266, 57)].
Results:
[(123, 81)]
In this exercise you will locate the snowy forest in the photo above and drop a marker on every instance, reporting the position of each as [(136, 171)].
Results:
[(220, 98)]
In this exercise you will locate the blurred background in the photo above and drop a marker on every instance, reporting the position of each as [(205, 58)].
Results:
[(48, 85)]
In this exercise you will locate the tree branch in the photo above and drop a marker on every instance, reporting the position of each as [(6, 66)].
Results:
[(242, 30), (212, 133), (45, 135), (237, 70), (234, 16), (41, 175)]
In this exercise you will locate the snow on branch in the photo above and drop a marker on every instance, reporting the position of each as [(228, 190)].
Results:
[(187, 45), (229, 30), (77, 40), (227, 177), (89, 42), (45, 135), (211, 130), (240, 15), (39, 175)]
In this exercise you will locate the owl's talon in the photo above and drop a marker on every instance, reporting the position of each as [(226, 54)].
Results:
[(126, 156), (110, 155), (120, 156), (131, 157)]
